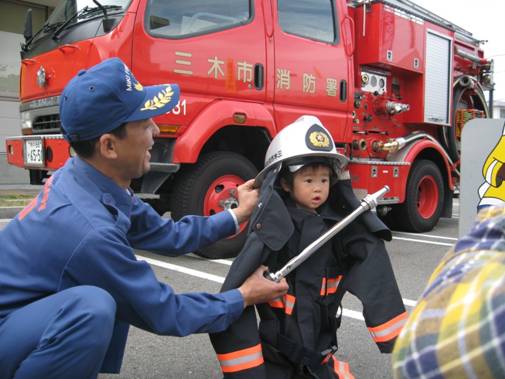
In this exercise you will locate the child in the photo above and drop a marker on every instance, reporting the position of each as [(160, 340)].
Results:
[(296, 337)]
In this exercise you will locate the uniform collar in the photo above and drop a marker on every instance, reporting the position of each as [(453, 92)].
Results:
[(108, 192), (298, 215)]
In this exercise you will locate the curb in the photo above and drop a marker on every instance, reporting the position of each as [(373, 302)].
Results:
[(9, 212), (21, 189)]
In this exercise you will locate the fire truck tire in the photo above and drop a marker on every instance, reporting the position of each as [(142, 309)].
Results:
[(201, 189), (424, 199)]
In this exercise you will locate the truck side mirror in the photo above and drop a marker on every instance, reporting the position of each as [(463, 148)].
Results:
[(108, 24), (156, 22), (28, 32)]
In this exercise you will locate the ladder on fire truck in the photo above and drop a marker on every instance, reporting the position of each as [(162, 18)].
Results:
[(413, 9)]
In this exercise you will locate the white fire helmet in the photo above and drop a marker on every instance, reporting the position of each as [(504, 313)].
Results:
[(304, 138)]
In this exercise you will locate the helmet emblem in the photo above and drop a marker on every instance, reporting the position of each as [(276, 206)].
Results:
[(41, 77), (319, 139)]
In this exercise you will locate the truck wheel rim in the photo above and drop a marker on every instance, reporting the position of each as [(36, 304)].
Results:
[(427, 198), (222, 194)]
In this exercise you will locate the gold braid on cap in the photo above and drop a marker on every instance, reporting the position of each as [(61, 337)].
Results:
[(159, 100)]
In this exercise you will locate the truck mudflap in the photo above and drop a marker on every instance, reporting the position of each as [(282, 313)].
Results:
[(38, 152)]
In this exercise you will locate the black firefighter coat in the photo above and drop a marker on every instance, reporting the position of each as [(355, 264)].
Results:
[(296, 337)]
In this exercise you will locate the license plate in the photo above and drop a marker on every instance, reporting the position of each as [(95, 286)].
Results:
[(34, 152)]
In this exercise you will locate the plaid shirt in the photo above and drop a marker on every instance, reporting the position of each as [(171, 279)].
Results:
[(457, 329)]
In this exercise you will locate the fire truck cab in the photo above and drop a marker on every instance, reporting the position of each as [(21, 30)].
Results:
[(392, 82)]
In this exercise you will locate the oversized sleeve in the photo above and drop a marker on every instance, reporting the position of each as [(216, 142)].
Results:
[(238, 348), (371, 279), (104, 259)]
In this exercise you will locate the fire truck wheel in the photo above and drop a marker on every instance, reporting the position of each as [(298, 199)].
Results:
[(423, 201), (208, 187)]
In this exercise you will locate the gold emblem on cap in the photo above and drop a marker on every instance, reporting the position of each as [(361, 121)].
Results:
[(319, 139), (138, 86), (159, 100)]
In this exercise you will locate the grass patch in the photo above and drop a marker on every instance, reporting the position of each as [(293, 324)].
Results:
[(15, 199)]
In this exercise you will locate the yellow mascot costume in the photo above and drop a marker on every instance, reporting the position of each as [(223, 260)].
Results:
[(492, 191)]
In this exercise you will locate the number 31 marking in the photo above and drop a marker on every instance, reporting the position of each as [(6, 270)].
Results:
[(180, 107)]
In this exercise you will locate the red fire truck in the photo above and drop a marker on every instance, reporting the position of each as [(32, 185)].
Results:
[(393, 82)]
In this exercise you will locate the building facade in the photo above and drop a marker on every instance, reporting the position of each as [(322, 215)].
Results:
[(12, 21), (499, 109)]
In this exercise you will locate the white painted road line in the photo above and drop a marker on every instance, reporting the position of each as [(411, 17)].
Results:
[(352, 314), (425, 235), (409, 303), (424, 241), (183, 270), (222, 261), (219, 279)]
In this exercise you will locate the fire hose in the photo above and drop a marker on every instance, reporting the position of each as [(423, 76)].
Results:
[(367, 203)]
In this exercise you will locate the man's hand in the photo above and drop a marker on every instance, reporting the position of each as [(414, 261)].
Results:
[(247, 200), (258, 289)]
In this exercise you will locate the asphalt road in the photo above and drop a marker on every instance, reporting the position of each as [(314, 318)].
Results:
[(414, 256)]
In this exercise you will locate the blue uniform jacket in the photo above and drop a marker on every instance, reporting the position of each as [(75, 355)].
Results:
[(82, 229)]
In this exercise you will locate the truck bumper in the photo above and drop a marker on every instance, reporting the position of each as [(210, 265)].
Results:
[(48, 152), (38, 152)]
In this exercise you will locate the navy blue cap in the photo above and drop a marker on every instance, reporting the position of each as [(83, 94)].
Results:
[(100, 99)]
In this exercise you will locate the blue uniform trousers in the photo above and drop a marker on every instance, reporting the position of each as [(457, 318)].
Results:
[(65, 335)]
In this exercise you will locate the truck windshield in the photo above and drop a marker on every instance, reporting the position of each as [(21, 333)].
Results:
[(69, 12), (66, 9)]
